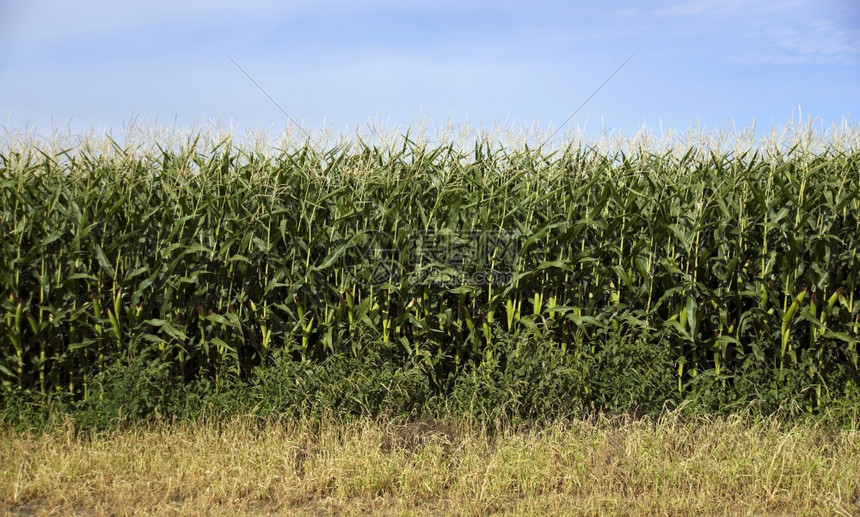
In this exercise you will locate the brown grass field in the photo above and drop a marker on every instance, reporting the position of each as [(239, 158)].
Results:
[(603, 466)]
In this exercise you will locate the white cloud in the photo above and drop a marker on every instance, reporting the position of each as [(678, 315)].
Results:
[(817, 42), (46, 22), (821, 40), (725, 7), (621, 13), (695, 7), (50, 23)]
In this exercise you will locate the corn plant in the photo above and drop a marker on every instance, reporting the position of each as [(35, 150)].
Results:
[(211, 257)]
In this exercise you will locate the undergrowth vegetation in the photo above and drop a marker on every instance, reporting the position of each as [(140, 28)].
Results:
[(503, 281)]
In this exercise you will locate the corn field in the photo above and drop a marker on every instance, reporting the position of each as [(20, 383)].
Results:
[(217, 259)]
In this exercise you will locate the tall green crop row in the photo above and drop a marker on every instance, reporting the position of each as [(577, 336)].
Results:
[(216, 261)]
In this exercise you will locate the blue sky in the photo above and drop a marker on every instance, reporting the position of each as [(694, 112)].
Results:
[(338, 64)]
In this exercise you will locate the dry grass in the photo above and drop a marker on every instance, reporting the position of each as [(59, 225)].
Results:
[(721, 467)]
